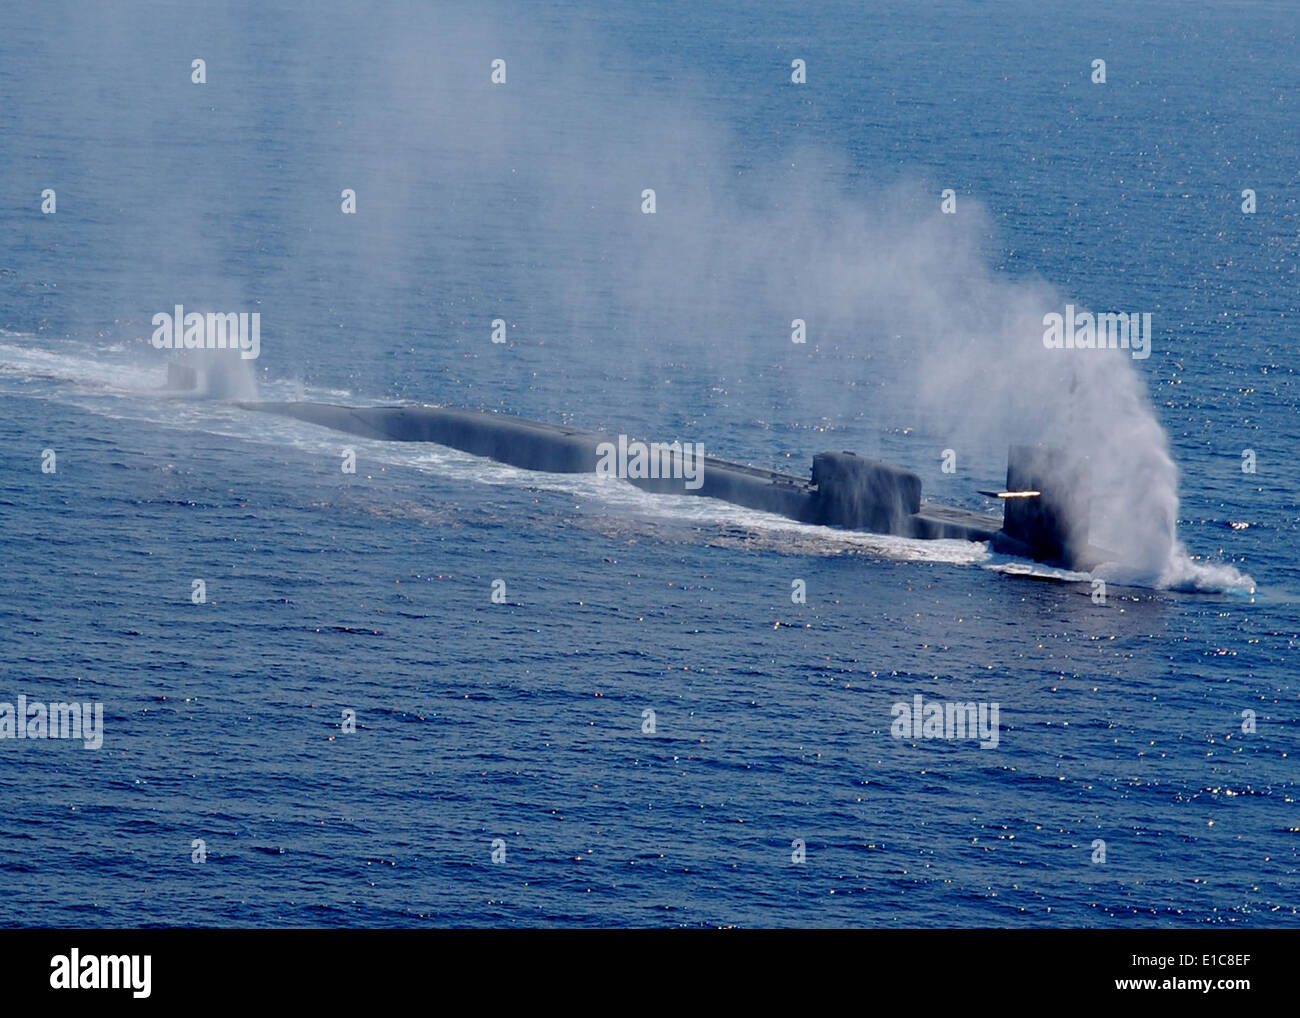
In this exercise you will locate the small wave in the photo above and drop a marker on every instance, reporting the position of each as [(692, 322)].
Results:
[(1181, 573), (1036, 571), (1193, 575)]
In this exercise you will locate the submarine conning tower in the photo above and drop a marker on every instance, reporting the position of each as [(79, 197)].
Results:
[(864, 494), (1052, 524)]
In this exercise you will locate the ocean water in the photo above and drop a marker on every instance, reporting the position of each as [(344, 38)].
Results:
[(523, 721)]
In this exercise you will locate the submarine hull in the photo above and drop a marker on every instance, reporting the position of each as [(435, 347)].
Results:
[(845, 490)]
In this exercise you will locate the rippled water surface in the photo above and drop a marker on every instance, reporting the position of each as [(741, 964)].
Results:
[(523, 721)]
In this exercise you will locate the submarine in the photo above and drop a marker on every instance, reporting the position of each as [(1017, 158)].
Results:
[(1044, 502), (1041, 518)]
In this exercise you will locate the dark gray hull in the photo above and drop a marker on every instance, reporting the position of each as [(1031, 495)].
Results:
[(845, 490)]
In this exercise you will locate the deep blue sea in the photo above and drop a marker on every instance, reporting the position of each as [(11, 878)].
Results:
[(522, 200)]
